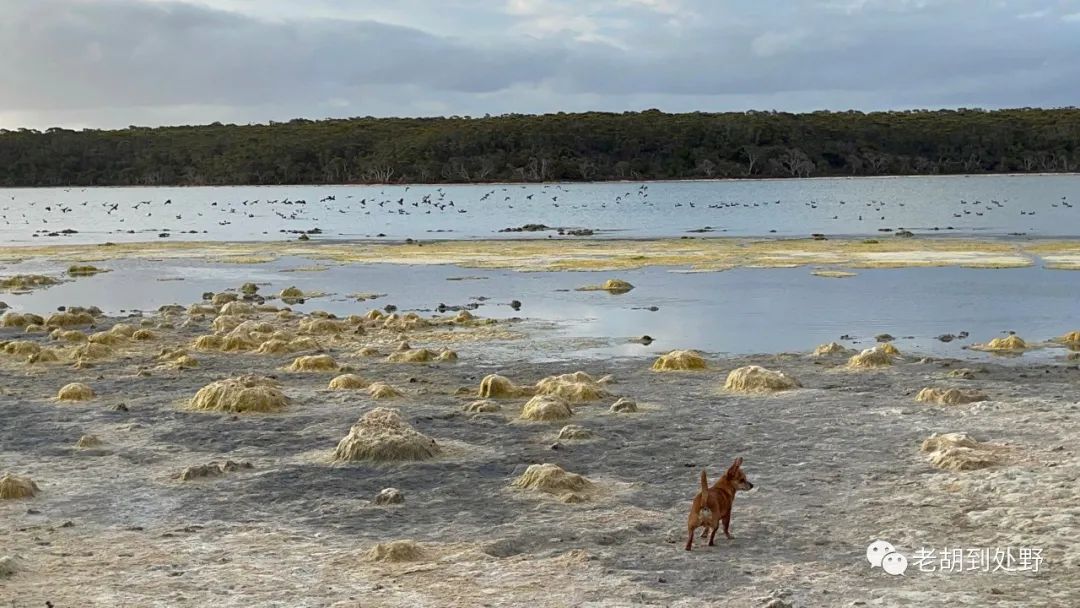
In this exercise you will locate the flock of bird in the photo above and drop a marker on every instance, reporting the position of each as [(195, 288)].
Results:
[(411, 200)]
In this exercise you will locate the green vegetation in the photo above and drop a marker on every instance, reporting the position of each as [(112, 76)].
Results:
[(571, 147)]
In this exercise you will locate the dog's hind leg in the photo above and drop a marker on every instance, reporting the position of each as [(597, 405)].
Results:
[(690, 539), (711, 537)]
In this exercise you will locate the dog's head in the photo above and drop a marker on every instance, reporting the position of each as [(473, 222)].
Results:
[(736, 476)]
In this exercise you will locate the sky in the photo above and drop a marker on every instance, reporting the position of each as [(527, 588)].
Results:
[(114, 63)]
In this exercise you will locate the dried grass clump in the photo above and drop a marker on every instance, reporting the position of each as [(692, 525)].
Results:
[(69, 335), (45, 355), (577, 387), (23, 282), (679, 360), (546, 408), (76, 391), (144, 335), (69, 319), (313, 363), (20, 319), (209, 342), (832, 348), (381, 435), (552, 479), (88, 441), (396, 552), (616, 286), (951, 396), (959, 452), (22, 348), (869, 358), (484, 406), (226, 323), (382, 390), (320, 326), (494, 386), (574, 431), (890, 349), (756, 379), (249, 393), (13, 487), (347, 382), (1007, 344)]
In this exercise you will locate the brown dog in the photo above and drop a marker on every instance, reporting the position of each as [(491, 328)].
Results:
[(711, 505)]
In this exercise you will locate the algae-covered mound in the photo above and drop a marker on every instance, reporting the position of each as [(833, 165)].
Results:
[(209, 342), (420, 355), (92, 352), (184, 362), (485, 406), (69, 319), (1070, 339), (144, 335), (494, 386), (13, 486), (22, 348), (273, 346), (236, 308), (552, 479), (1007, 344), (546, 408), (321, 326), (959, 452), (832, 348), (889, 349), (248, 393), (870, 358), (756, 379), (314, 363), (382, 390), (679, 360), (616, 286), (20, 319), (396, 552), (347, 382), (84, 270), (25, 282), (574, 431), (577, 387), (76, 391), (107, 338), (381, 435), (68, 335), (950, 396), (45, 355), (291, 293)]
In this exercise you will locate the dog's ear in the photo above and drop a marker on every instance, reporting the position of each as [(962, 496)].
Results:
[(735, 466)]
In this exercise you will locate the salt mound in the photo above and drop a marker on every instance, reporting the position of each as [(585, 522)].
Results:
[(382, 390), (888, 348), (209, 342), (679, 360), (304, 343), (22, 348), (421, 355), (347, 382), (755, 379), (88, 441), (577, 387), (396, 552), (547, 408), (212, 469), (616, 286), (144, 335), (320, 326), (124, 330), (482, 406), (314, 363), (243, 394), (624, 406), (871, 357), (45, 355), (552, 479), (959, 452), (494, 386), (237, 308), (71, 335), (832, 348), (76, 391), (92, 352), (223, 298), (107, 338), (69, 319), (238, 342), (950, 396), (381, 435), (273, 347), (573, 431), (12, 486)]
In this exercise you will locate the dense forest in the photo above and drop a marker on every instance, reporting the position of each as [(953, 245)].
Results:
[(551, 147)]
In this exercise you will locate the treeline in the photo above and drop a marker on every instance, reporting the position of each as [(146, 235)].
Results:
[(552, 147)]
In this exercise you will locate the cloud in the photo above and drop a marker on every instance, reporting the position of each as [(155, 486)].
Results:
[(118, 62)]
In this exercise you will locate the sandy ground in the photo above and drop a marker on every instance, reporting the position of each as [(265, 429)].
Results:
[(836, 466), (702, 254)]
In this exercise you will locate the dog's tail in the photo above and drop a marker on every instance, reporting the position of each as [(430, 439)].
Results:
[(704, 483)]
